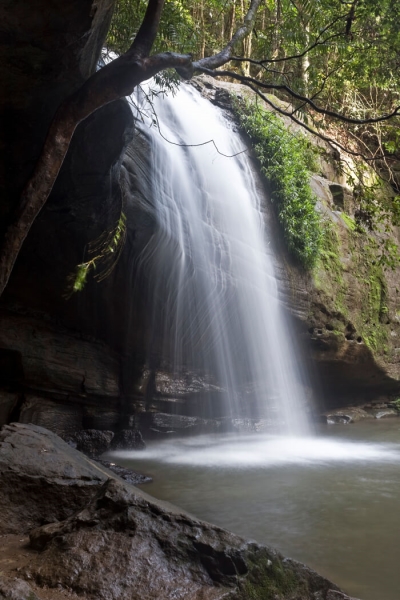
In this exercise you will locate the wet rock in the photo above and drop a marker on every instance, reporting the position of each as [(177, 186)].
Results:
[(347, 415), (53, 358), (353, 414), (153, 553), (189, 382), (162, 424), (42, 479), (92, 441), (385, 413), (127, 474), (190, 393), (335, 595), (339, 419), (128, 439), (16, 589)]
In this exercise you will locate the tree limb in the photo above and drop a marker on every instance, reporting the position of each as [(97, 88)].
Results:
[(145, 37), (282, 87), (333, 143), (213, 62)]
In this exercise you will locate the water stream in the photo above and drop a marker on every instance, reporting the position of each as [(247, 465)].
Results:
[(214, 297)]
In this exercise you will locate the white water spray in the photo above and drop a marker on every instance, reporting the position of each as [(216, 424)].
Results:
[(212, 283)]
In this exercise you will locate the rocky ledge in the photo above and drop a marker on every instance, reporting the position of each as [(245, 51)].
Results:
[(93, 535)]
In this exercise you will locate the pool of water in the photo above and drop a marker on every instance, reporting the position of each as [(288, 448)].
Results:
[(331, 501)]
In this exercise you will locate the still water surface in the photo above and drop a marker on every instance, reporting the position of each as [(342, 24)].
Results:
[(332, 501)]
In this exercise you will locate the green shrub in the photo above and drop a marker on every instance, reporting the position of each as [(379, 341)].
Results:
[(286, 159)]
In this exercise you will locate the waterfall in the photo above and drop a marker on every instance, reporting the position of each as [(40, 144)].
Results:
[(214, 296)]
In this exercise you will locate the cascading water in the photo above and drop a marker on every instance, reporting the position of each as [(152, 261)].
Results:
[(212, 284)]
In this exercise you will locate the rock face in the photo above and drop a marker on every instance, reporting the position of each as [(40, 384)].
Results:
[(46, 52), (128, 439), (58, 354), (350, 314), (103, 538)]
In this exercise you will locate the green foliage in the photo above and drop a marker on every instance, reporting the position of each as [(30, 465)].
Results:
[(396, 404), (80, 277), (286, 159), (351, 224), (176, 33), (104, 252)]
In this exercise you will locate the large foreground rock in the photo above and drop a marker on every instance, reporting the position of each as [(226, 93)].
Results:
[(121, 544), (42, 479)]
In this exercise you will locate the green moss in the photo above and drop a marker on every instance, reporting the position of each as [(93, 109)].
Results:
[(331, 276), (351, 224), (373, 314), (268, 579), (335, 255), (396, 404), (286, 159), (373, 311), (328, 272), (80, 278)]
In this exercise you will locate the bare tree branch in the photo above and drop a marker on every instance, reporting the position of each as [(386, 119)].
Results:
[(282, 87), (213, 62), (333, 143), (265, 61), (145, 37)]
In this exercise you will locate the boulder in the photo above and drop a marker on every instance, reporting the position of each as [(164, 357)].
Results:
[(386, 413), (335, 595), (153, 553), (42, 478), (351, 414), (99, 537)]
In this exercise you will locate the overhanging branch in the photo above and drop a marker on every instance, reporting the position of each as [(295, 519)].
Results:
[(291, 114), (307, 101), (213, 62)]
